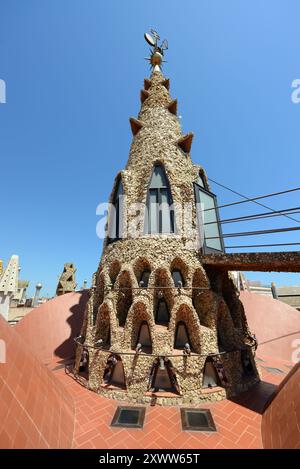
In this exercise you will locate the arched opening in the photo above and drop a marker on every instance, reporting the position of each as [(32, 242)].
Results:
[(163, 378), (210, 375), (124, 300), (142, 271), (84, 364), (180, 272), (181, 336), (177, 278), (163, 298), (103, 328), (114, 270), (159, 209), (247, 364), (144, 280), (144, 338), (116, 214), (187, 330), (114, 372), (162, 315)]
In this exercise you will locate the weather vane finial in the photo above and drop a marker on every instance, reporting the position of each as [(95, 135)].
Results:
[(156, 51)]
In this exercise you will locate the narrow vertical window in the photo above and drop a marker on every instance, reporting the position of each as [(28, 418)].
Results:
[(145, 279), (116, 215), (159, 213), (162, 313), (210, 376), (208, 218), (181, 336), (144, 338), (177, 278)]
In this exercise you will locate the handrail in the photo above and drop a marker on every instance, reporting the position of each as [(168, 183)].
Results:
[(144, 354)]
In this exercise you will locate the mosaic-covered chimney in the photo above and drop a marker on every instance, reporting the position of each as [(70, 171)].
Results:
[(158, 326)]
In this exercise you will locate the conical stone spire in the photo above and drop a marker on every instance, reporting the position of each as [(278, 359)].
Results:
[(150, 291)]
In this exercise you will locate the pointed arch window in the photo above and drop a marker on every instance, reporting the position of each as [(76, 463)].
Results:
[(114, 372), (208, 218), (177, 278), (162, 316), (163, 378), (145, 279), (144, 337), (210, 375), (84, 364), (160, 212), (181, 336), (116, 214)]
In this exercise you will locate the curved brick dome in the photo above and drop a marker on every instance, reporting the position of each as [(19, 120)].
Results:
[(36, 409), (275, 324), (51, 328)]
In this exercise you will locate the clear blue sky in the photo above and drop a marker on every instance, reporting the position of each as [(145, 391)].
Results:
[(74, 70)]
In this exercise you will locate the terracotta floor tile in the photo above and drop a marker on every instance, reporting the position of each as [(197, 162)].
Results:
[(246, 440), (238, 421), (87, 436)]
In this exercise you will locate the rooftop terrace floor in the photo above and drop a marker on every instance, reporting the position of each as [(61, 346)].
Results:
[(238, 421)]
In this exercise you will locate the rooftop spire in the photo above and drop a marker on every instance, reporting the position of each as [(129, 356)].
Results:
[(156, 51)]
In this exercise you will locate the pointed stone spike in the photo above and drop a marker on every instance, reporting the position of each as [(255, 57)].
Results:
[(135, 125), (147, 83), (172, 107), (185, 142), (144, 95), (166, 83)]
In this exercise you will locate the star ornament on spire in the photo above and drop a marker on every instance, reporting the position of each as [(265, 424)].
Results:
[(156, 51)]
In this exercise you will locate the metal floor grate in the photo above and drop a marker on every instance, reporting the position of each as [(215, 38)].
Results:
[(129, 417), (199, 420)]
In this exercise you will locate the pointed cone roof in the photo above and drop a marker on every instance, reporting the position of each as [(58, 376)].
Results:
[(157, 122)]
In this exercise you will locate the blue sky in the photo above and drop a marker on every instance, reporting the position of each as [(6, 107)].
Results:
[(73, 71)]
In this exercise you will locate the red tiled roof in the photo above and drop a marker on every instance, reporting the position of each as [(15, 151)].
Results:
[(275, 324), (51, 328), (43, 407), (36, 411), (238, 421)]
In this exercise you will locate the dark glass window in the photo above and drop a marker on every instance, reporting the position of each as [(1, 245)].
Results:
[(163, 377), (145, 278), (114, 372), (210, 376), (144, 338), (159, 213), (115, 231), (208, 219), (181, 336), (162, 313), (177, 278)]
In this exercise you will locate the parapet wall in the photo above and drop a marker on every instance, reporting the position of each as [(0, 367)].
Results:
[(280, 422)]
